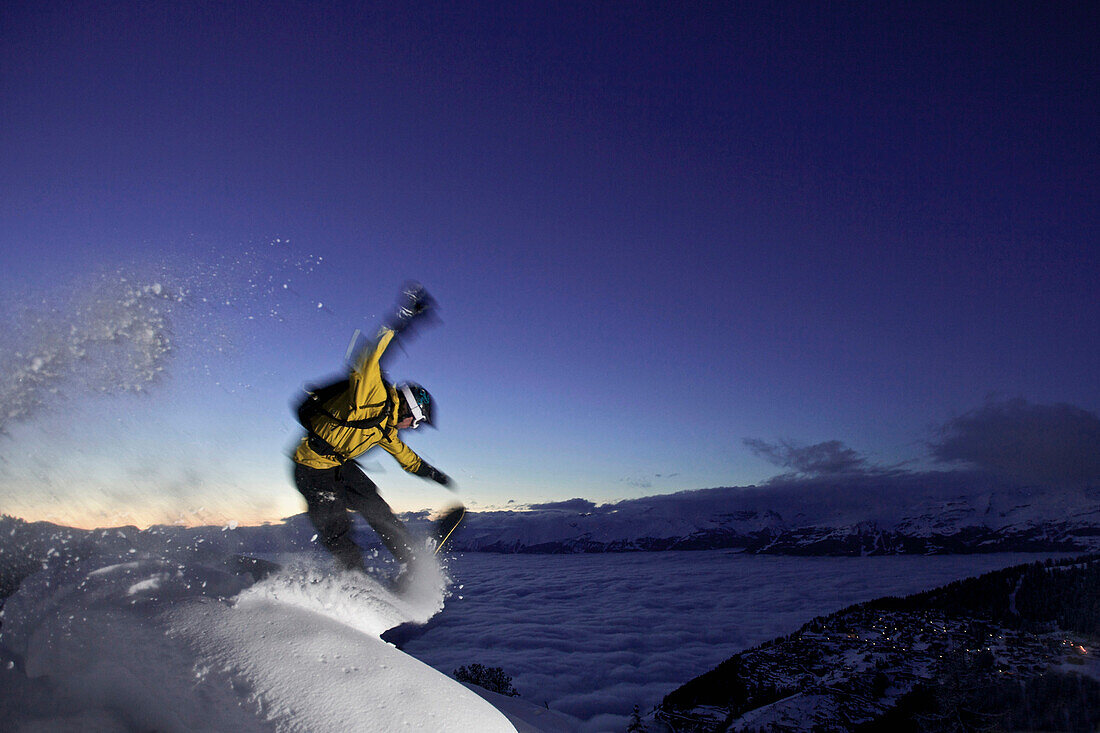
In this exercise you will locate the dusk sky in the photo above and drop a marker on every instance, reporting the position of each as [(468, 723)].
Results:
[(672, 246)]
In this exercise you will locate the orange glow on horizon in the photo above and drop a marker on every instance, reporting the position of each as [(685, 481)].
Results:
[(144, 520)]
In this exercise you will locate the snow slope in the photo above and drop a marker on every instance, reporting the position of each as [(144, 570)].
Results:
[(122, 630), (143, 642)]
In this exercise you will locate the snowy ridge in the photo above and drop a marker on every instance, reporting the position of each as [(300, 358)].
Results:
[(362, 602), (130, 640), (914, 513)]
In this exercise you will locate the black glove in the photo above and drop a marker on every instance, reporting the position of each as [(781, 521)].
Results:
[(434, 474), (413, 301)]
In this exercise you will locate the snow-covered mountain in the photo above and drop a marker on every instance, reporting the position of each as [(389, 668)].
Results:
[(867, 514)]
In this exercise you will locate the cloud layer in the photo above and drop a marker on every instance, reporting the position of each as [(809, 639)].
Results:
[(1025, 442), (1016, 441)]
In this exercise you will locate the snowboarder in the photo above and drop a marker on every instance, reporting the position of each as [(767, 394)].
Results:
[(344, 420)]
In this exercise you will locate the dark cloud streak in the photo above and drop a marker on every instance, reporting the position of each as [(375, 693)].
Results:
[(569, 505), (830, 458)]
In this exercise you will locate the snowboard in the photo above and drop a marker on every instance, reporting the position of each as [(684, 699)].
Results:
[(446, 525)]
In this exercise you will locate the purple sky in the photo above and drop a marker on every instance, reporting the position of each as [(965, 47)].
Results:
[(653, 232)]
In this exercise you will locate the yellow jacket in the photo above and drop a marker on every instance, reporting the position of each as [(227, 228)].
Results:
[(366, 397)]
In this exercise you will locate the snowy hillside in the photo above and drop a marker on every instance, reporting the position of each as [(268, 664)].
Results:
[(908, 513), (186, 640), (1014, 649), (120, 629)]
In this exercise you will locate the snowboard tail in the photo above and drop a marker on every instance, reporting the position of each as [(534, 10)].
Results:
[(446, 525)]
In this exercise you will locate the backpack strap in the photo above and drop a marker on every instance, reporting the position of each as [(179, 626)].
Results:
[(365, 424), (313, 406)]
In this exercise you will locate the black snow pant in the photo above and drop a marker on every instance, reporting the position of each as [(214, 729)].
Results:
[(330, 493)]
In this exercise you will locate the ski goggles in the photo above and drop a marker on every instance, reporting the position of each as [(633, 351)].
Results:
[(414, 406)]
